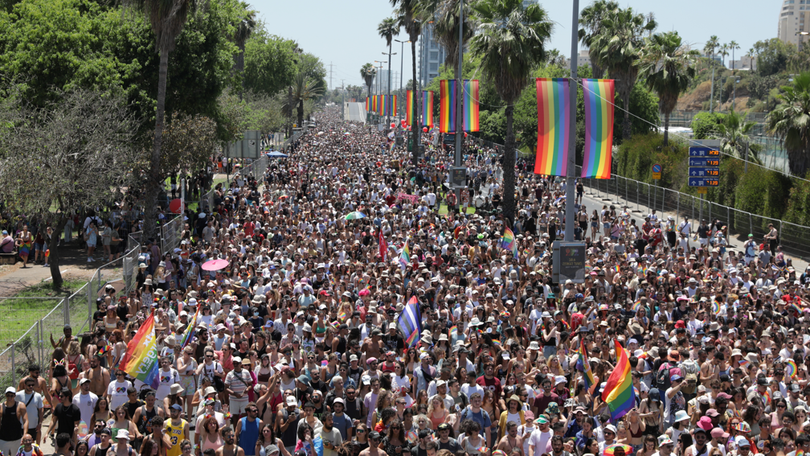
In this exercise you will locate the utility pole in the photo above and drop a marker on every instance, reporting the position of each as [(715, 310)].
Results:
[(572, 140), (330, 75), (401, 71), (388, 92), (457, 157)]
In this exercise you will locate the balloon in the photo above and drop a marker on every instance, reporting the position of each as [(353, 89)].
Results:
[(465, 134), (403, 122), (424, 129), (393, 125)]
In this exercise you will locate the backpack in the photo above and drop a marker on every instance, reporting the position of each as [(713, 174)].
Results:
[(662, 381)]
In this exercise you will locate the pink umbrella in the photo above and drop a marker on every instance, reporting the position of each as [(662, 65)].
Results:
[(215, 265)]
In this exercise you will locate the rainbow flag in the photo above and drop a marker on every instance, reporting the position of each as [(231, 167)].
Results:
[(381, 105), (47, 254), (617, 268), (141, 359), (374, 103), (791, 369), (343, 316), (715, 307), (636, 306), (597, 155), (744, 363), (410, 322), (409, 107), (447, 105), (453, 332), (508, 241), (368, 103), (427, 108), (553, 126), (618, 392), (105, 349), (405, 257), (585, 366), (392, 108), (188, 336), (471, 97), (796, 308), (496, 342)]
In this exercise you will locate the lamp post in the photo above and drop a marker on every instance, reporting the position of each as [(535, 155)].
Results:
[(389, 54), (402, 66), (379, 86), (800, 35)]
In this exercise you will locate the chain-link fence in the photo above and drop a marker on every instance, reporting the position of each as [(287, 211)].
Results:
[(170, 234), (28, 334), (643, 197)]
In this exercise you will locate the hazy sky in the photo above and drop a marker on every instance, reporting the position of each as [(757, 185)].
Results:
[(345, 33)]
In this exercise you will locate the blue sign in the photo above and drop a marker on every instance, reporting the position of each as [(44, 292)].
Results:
[(704, 161), (703, 152), (704, 172), (703, 182), (656, 168)]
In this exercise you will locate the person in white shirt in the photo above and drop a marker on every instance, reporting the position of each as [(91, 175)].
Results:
[(85, 400), (540, 439), (117, 390), (525, 431)]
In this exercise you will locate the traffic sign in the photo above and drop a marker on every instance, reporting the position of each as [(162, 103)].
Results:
[(656, 171), (704, 161), (704, 172), (703, 182), (702, 190), (703, 152)]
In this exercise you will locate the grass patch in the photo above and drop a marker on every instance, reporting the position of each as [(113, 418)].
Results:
[(22, 310)]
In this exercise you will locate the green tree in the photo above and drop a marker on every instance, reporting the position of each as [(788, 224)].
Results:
[(167, 18), (367, 72), (592, 27), (270, 63), (773, 56), (667, 66), (724, 51), (733, 46), (791, 121), (304, 89), (511, 42), (617, 48), (244, 28), (407, 14), (733, 133)]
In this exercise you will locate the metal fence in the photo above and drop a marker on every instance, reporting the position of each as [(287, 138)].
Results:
[(256, 169), (643, 197), (170, 234)]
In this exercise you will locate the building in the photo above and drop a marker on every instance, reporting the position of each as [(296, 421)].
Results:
[(584, 58), (794, 17), (431, 56), (745, 63)]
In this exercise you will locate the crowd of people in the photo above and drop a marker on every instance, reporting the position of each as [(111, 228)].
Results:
[(297, 347)]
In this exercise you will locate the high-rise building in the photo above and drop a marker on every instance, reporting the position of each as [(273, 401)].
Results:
[(794, 17), (431, 55)]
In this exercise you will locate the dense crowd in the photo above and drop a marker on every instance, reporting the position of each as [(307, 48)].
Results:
[(296, 348)]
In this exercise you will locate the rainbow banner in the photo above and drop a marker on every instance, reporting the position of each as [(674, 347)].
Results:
[(374, 103), (141, 359), (427, 108), (585, 366), (553, 129), (409, 107), (392, 109), (368, 103), (508, 241), (447, 105), (597, 155), (471, 97), (381, 105), (618, 392)]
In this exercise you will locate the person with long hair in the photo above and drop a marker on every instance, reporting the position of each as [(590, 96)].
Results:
[(121, 420), (102, 410), (266, 438), (207, 435)]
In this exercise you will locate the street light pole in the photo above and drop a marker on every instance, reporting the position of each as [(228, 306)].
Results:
[(402, 67), (457, 157), (572, 140), (389, 54)]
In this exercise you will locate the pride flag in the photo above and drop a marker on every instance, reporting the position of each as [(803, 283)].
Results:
[(508, 241), (392, 108), (141, 359), (405, 257), (447, 105), (553, 126), (381, 105), (410, 322), (427, 108), (368, 103), (189, 334), (597, 155), (618, 392), (409, 107), (585, 366), (471, 97), (374, 103)]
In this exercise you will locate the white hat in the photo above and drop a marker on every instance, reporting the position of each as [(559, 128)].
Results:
[(291, 401), (11, 390), (122, 434)]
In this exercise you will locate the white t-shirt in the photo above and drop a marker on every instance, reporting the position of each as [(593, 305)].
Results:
[(86, 404), (32, 408), (540, 440), (117, 391), (167, 379)]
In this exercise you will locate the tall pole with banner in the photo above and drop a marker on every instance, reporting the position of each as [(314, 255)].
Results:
[(570, 180)]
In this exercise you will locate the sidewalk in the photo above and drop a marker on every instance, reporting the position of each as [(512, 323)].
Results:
[(14, 278)]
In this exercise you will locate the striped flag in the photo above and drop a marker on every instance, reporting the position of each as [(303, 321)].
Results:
[(471, 96), (405, 257), (447, 105), (383, 245), (597, 154), (427, 108), (508, 241), (189, 334), (410, 322), (141, 358), (553, 126), (585, 366)]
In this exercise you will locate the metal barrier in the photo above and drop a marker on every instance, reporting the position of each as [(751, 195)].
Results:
[(170, 234), (34, 345), (643, 197)]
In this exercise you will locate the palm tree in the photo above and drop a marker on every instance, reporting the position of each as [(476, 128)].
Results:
[(511, 42), (667, 66), (445, 13), (244, 29), (305, 89), (733, 46), (166, 18), (408, 17), (733, 135), (591, 22), (791, 121), (617, 49), (724, 53), (711, 46), (367, 72), (387, 29)]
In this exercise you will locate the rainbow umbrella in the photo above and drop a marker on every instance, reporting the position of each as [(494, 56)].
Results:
[(355, 215), (611, 450)]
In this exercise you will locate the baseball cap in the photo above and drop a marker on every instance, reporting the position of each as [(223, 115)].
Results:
[(291, 401)]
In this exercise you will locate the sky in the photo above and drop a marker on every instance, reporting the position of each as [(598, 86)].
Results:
[(344, 34)]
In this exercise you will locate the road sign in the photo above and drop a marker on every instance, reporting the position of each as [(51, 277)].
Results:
[(704, 172), (702, 190), (656, 171), (703, 182), (703, 152), (568, 262), (703, 161)]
